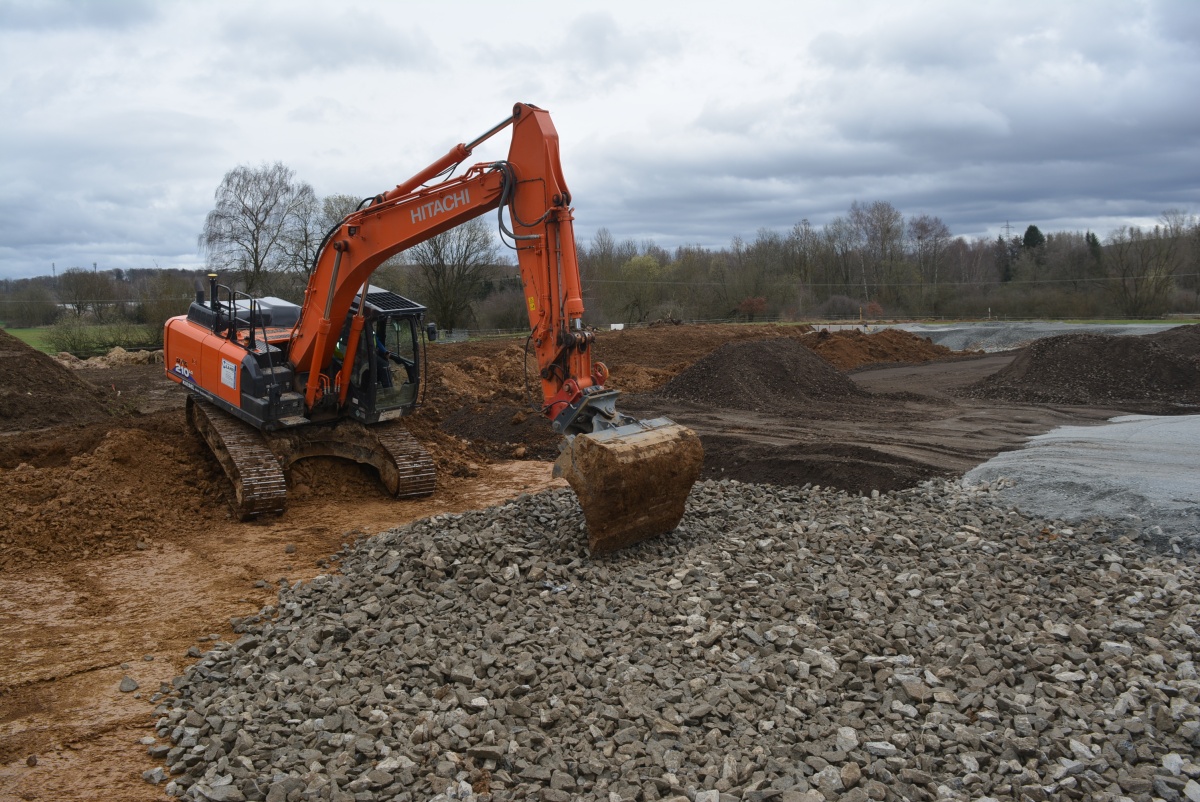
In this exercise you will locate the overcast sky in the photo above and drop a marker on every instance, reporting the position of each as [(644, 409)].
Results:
[(685, 122)]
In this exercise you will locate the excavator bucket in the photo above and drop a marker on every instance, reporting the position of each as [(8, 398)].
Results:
[(632, 481)]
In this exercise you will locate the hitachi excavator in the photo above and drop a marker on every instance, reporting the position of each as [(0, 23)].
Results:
[(271, 382)]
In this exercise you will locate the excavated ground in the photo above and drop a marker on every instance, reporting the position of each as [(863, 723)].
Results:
[(118, 555)]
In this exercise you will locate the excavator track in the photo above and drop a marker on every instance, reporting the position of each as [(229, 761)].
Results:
[(257, 477), (403, 465), (416, 475), (256, 462)]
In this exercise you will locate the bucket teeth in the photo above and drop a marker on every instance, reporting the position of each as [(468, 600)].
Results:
[(632, 482)]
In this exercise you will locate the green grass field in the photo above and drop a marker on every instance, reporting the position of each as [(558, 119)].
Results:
[(38, 338)]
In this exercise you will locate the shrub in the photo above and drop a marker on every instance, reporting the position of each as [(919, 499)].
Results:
[(82, 339)]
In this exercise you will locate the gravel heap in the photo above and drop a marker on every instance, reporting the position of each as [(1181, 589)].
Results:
[(790, 644), (1095, 369), (1182, 340)]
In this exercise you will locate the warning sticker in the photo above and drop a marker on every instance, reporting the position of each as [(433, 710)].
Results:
[(228, 374)]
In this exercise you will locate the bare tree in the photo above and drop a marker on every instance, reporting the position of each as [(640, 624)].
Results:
[(257, 208), (600, 266), (73, 290), (880, 228), (452, 268), (87, 291), (928, 241), (1190, 280), (1142, 264), (31, 304), (312, 221), (164, 295), (842, 243)]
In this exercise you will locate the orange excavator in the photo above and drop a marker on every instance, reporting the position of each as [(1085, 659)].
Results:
[(271, 382)]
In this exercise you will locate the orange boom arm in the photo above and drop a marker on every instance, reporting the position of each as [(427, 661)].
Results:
[(531, 184)]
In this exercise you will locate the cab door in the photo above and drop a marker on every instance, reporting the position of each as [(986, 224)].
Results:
[(397, 364)]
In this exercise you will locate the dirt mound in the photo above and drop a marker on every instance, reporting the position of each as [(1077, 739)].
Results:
[(855, 469), (761, 375), (503, 373), (36, 391), (476, 406), (849, 349), (642, 360), (504, 431), (636, 379), (673, 348), (110, 490), (114, 358), (1095, 369)]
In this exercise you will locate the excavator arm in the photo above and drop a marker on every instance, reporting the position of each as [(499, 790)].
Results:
[(632, 477), (531, 185)]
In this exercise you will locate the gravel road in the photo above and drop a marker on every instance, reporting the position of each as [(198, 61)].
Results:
[(791, 644)]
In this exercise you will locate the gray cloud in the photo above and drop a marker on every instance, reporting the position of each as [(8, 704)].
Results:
[(121, 118), (22, 15), (280, 43)]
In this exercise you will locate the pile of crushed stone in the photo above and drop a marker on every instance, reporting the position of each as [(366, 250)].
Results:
[(36, 391), (1182, 340), (781, 644), (1096, 369), (762, 376)]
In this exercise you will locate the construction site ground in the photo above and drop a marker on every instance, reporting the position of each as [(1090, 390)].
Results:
[(118, 554)]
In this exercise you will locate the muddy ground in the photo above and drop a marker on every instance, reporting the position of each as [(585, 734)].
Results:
[(118, 554)]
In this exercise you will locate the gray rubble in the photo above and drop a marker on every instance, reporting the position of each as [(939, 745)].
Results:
[(783, 644)]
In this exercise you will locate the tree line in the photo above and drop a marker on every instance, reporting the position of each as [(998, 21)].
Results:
[(874, 262), (267, 227)]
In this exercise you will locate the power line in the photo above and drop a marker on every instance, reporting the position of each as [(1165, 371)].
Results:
[(980, 283)]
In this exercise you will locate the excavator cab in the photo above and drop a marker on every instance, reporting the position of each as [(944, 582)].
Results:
[(386, 378), (397, 362)]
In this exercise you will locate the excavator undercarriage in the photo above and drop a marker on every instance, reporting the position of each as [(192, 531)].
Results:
[(255, 461)]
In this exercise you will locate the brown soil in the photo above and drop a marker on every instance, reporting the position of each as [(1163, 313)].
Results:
[(1099, 369), (478, 389), (116, 543), (853, 468), (766, 375), (850, 349), (33, 387)]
